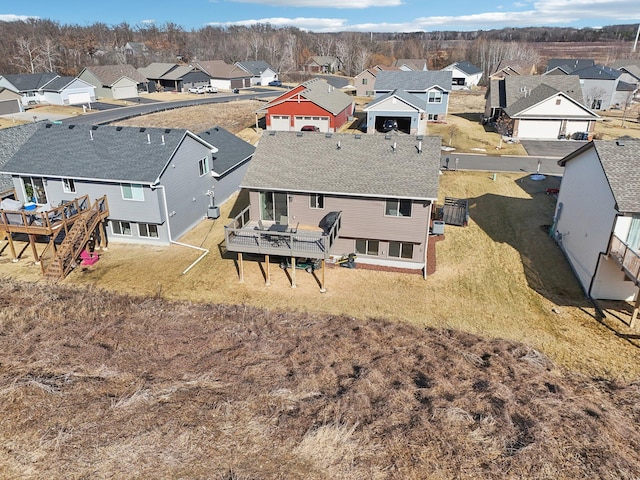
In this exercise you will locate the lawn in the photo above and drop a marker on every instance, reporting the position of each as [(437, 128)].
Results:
[(500, 277)]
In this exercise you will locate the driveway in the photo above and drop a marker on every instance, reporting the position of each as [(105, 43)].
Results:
[(550, 148)]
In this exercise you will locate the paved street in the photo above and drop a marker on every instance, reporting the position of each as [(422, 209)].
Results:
[(548, 166)]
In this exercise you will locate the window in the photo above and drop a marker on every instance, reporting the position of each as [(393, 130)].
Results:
[(316, 200), (132, 191), (400, 250), (203, 166), (434, 96), (432, 117), (148, 230), (558, 101), (273, 205), (68, 185), (34, 189), (367, 247), (364, 81), (398, 208), (121, 228)]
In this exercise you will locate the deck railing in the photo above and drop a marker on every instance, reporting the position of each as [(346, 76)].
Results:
[(242, 235), (627, 258)]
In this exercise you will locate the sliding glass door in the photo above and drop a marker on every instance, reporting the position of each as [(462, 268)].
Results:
[(273, 205)]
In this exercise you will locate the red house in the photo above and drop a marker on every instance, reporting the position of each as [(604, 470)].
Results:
[(314, 103)]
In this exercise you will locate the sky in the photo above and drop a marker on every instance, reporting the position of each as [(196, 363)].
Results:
[(335, 15)]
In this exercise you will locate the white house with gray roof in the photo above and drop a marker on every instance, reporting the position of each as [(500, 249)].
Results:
[(50, 88), (597, 218), (465, 75), (544, 107), (261, 72), (383, 186), (431, 88), (159, 183)]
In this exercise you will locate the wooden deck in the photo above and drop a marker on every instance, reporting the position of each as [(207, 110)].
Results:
[(628, 259), (300, 241)]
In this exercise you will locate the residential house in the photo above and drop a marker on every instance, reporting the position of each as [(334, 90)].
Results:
[(566, 66), (67, 91), (405, 108), (10, 101), (49, 87), (544, 107), (513, 68), (465, 75), (601, 86), (225, 76), (174, 77), (432, 88), (261, 72), (378, 191), (115, 81), (313, 103), (135, 49), (597, 218), (159, 183), (412, 64), (365, 81), (322, 64)]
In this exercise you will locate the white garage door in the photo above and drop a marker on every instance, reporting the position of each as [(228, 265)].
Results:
[(577, 126), (321, 122), (79, 98), (280, 122), (130, 91), (545, 129)]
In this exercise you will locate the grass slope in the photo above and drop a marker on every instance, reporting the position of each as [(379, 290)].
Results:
[(125, 387)]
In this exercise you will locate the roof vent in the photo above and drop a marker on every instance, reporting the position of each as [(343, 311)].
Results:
[(420, 137), (162, 139), (338, 146), (94, 127), (419, 147), (387, 136), (393, 147), (358, 136), (118, 129), (48, 125), (91, 134), (272, 133), (167, 130), (148, 138), (327, 135), (71, 127), (142, 129), (298, 134), (620, 142)]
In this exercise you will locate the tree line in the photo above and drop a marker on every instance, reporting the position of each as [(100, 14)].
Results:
[(40, 45)]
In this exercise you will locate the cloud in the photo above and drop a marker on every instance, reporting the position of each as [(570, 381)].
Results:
[(9, 17), (311, 24), (359, 4), (149, 21)]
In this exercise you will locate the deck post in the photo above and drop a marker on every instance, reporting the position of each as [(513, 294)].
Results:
[(293, 272), (34, 250), (268, 270), (240, 267), (103, 236), (636, 307), (12, 248), (322, 288)]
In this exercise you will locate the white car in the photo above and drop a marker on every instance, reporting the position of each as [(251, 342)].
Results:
[(210, 89), (197, 90)]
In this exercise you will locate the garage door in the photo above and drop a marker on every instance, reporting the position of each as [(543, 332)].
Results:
[(321, 122), (125, 92), (546, 129), (9, 106), (79, 98), (577, 126), (280, 122)]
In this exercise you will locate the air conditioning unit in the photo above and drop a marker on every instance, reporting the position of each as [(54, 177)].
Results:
[(213, 212), (438, 227)]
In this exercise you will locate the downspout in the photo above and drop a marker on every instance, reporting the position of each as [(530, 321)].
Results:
[(166, 212), (426, 241)]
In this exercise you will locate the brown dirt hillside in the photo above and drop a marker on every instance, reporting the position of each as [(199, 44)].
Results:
[(99, 385)]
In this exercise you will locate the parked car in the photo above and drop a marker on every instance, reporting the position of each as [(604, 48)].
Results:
[(308, 264), (389, 124), (310, 128), (275, 83), (197, 90), (210, 89)]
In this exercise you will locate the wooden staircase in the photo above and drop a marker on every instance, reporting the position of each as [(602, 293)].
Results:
[(76, 238)]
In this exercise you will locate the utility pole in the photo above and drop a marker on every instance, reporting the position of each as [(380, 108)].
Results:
[(635, 44)]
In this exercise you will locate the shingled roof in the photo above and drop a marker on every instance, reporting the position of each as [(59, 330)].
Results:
[(28, 82), (382, 166), (420, 81), (232, 150), (620, 160), (128, 154), (110, 74), (11, 139)]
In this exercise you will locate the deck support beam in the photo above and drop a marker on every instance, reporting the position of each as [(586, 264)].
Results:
[(322, 287), (293, 272), (34, 250), (14, 257), (267, 281), (636, 309), (240, 267)]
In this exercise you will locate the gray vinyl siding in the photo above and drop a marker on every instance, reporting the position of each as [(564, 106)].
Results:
[(185, 189), (362, 218), (599, 90), (227, 185)]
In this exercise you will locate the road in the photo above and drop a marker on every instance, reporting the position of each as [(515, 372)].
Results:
[(122, 113), (548, 166)]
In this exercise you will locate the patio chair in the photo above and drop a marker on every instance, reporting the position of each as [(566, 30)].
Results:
[(261, 225), (284, 220), (88, 258)]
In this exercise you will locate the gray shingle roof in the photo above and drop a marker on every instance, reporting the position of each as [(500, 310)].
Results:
[(597, 72), (232, 150), (58, 84), (256, 67), (620, 160), (109, 74), (421, 81), (106, 153), (568, 65), (467, 67), (11, 139), (27, 82), (406, 97), (518, 87), (328, 97), (156, 70), (363, 165)]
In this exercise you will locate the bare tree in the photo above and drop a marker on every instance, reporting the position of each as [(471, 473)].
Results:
[(594, 97), (28, 55)]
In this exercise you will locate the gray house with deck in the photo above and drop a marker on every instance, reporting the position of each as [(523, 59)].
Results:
[(366, 194), (159, 182)]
